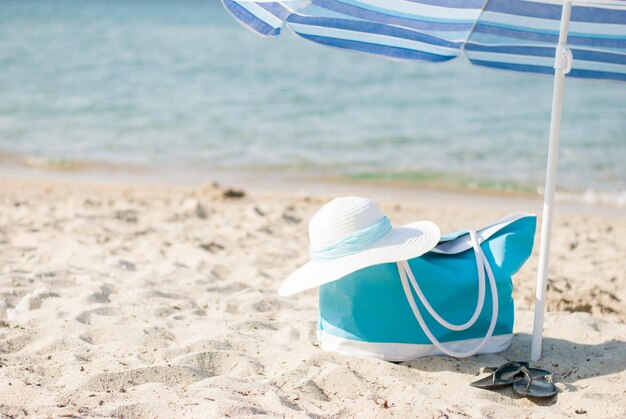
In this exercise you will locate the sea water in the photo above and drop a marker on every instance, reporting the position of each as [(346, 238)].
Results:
[(181, 84)]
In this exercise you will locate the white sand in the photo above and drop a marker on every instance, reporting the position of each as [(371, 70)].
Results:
[(161, 302)]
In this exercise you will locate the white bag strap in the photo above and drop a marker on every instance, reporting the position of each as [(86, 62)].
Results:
[(481, 291), (482, 265)]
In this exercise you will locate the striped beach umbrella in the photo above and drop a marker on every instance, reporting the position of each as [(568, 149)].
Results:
[(567, 38)]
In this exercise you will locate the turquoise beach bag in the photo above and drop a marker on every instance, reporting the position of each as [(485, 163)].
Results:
[(454, 300)]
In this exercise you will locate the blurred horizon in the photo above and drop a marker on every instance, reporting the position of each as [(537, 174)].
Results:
[(181, 84)]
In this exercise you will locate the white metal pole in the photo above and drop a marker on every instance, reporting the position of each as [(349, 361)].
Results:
[(562, 65)]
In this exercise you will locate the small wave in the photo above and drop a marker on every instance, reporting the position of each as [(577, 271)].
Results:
[(450, 181), (43, 163), (54, 164), (67, 165), (594, 197)]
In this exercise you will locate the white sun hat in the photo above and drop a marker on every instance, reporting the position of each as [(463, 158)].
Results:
[(351, 233)]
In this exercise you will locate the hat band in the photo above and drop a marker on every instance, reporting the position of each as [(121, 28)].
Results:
[(353, 243)]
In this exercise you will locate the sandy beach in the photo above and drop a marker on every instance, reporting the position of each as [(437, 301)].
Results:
[(160, 301)]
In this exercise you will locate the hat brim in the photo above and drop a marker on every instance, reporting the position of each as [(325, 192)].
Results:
[(403, 243)]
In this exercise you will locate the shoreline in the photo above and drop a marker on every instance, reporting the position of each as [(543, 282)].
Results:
[(325, 186)]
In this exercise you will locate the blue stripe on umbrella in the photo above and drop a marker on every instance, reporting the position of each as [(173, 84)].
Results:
[(537, 69), (250, 20), (377, 49), (553, 11), (345, 5), (457, 4), (373, 28), (547, 51), (515, 67), (532, 35), (414, 22), (602, 75)]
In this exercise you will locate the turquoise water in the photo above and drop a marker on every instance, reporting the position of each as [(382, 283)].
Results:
[(181, 84)]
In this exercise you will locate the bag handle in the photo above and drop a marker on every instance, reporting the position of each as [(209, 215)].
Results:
[(483, 265), (481, 291)]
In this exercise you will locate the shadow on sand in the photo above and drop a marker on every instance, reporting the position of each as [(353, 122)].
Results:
[(569, 361)]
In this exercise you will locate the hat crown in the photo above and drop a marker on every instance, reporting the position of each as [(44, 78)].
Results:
[(341, 218)]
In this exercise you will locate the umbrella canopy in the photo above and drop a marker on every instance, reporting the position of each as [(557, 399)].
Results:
[(506, 34), (586, 39)]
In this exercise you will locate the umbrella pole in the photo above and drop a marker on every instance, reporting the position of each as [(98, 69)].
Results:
[(562, 65)]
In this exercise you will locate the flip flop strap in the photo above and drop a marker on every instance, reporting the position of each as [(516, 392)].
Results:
[(528, 373), (495, 371)]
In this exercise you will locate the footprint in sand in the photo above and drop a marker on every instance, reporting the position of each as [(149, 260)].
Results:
[(312, 390), (340, 382), (13, 344), (167, 295), (102, 296), (170, 375), (86, 316), (158, 336), (253, 325), (228, 289), (268, 304), (153, 337), (215, 363)]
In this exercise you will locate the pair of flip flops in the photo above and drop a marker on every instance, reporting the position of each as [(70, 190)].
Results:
[(526, 381)]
